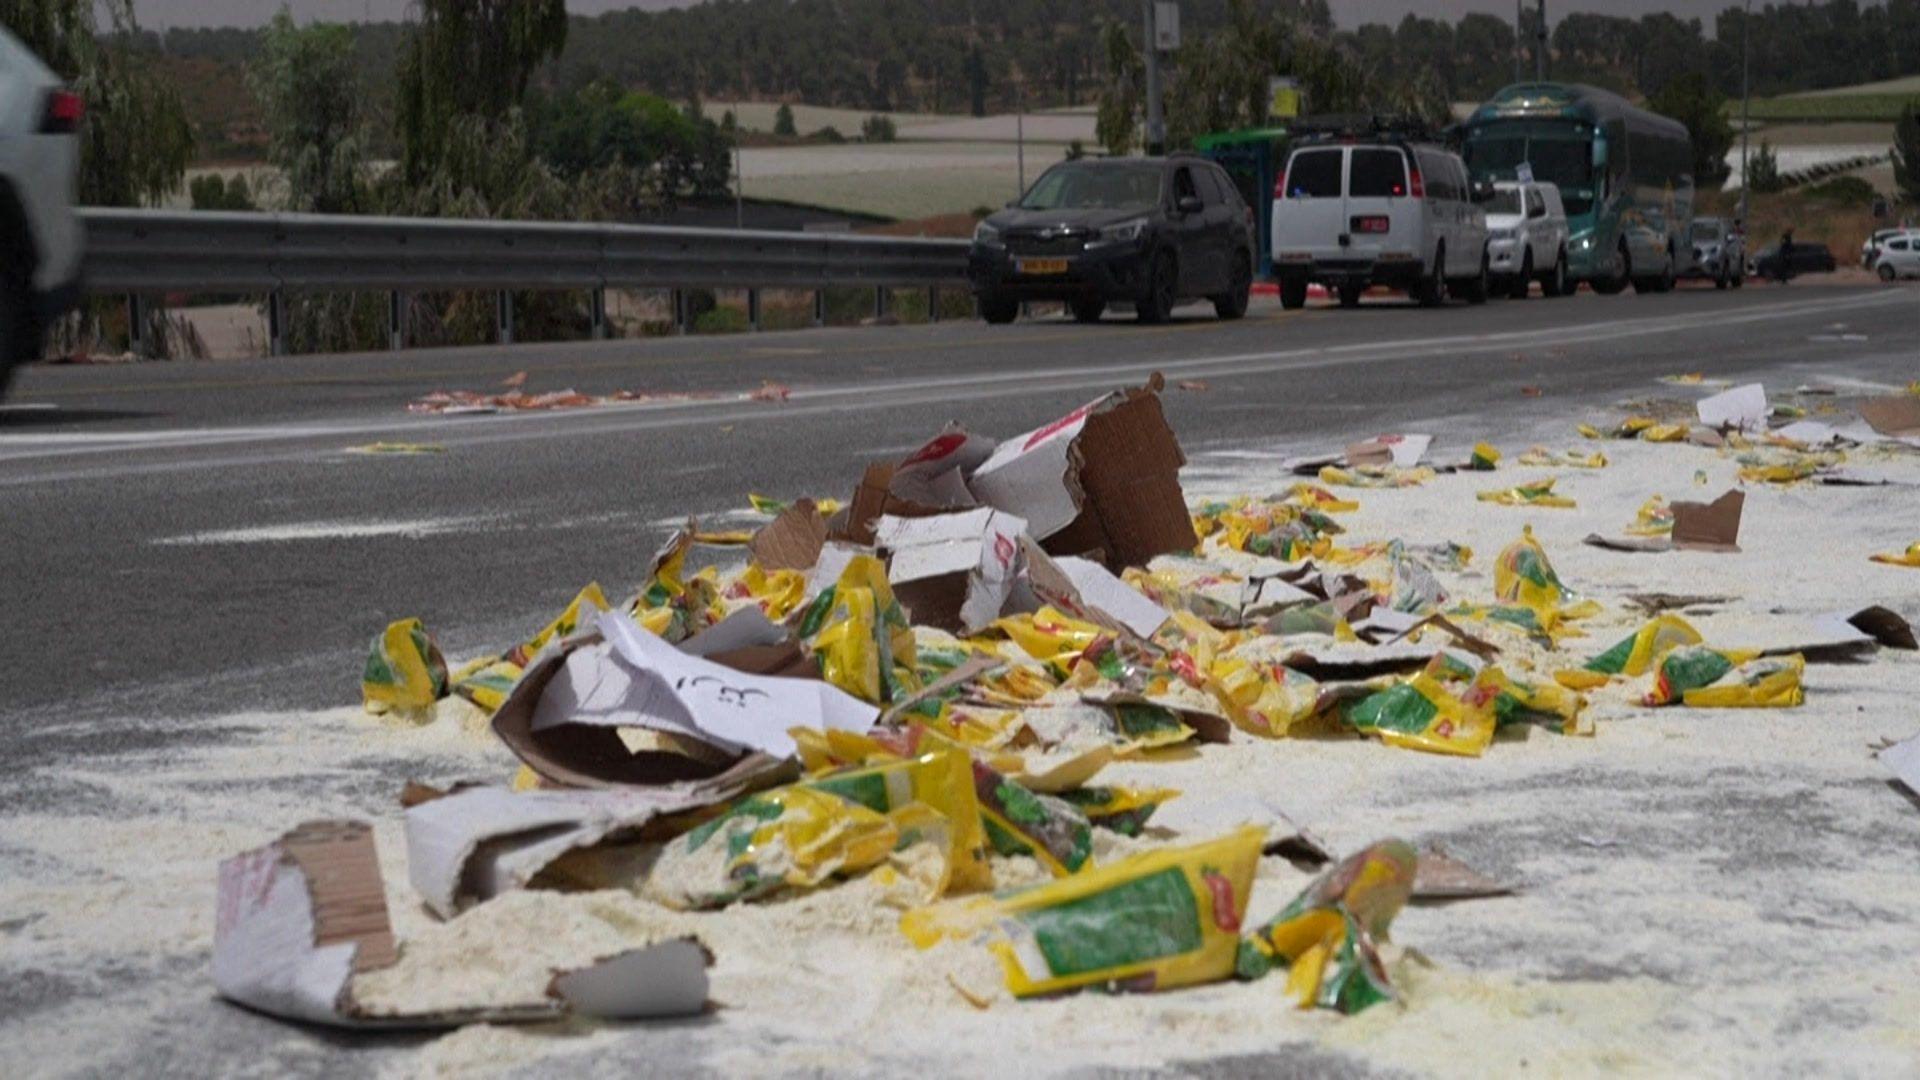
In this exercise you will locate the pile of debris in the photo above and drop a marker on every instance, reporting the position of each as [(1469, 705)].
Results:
[(926, 681)]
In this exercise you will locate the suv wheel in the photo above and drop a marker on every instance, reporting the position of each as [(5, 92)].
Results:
[(1293, 293), (999, 310), (1232, 304), (1554, 282), (1886, 272), (14, 339), (1089, 310), (1613, 286), (1720, 279), (1476, 288), (1157, 304), (1432, 291), (1524, 283)]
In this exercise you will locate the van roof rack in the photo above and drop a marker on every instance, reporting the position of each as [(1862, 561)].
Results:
[(1364, 125)]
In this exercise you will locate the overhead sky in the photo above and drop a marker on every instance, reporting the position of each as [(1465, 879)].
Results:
[(163, 13)]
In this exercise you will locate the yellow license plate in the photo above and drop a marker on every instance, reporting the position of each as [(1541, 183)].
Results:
[(1043, 266)]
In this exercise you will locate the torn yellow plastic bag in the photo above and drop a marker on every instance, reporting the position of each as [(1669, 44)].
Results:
[(1909, 557), (1654, 518), (1484, 459), (487, 683), (1769, 682), (1319, 498), (1636, 654), (860, 636), (1278, 530), (1523, 575), (774, 507), (1533, 493), (1019, 821), (777, 594), (1327, 937), (675, 607), (1424, 713), (1262, 698), (939, 777), (1690, 667), (1050, 637), (1540, 457), (587, 605), (404, 669), (789, 837), (1122, 810), (1376, 476), (1155, 921), (1523, 701), (1644, 428)]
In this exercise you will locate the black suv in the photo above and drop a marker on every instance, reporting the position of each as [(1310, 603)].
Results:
[(1149, 231)]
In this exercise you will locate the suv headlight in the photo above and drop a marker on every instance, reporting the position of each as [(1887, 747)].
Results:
[(984, 233), (1584, 243), (1126, 232), (1506, 234)]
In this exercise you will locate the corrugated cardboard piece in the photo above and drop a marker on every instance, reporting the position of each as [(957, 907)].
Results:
[(1084, 589), (1898, 416), (931, 480), (1713, 526), (299, 918), (1104, 478), (952, 571), (792, 540)]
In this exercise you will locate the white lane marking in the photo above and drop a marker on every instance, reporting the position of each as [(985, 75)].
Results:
[(515, 427), (324, 530)]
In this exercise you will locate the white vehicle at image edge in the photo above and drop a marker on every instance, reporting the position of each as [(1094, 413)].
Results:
[(1899, 257), (41, 240), (1527, 238), (1871, 247), (1376, 208)]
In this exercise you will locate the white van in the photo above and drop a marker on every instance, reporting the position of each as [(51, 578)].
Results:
[(1378, 210), (40, 237)]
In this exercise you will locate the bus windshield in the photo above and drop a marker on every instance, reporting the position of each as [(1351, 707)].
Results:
[(1564, 161)]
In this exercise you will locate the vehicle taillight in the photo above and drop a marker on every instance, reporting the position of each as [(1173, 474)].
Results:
[(1371, 223), (1415, 182), (1280, 184), (64, 110)]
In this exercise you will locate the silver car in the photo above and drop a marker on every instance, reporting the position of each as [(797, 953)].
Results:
[(1716, 252)]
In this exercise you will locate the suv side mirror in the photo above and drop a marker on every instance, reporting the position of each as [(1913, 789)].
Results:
[(1482, 191), (1188, 204)]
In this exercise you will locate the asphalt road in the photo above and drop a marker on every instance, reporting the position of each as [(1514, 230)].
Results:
[(192, 541), (188, 538)]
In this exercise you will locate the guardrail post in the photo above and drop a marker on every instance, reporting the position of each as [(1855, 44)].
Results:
[(277, 322), (598, 304), (136, 325), (933, 303), (503, 316), (879, 302), (819, 307), (396, 320), (680, 311), (753, 308)]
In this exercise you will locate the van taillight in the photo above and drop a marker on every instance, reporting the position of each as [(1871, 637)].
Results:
[(1280, 184), (64, 110), (1414, 181)]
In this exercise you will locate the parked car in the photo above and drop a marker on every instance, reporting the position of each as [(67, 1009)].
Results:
[(1376, 208), (1801, 259), (1899, 257), (1147, 231), (1527, 238), (40, 237), (1871, 246), (1717, 253)]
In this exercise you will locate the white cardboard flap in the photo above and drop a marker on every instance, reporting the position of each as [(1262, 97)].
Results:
[(1028, 475)]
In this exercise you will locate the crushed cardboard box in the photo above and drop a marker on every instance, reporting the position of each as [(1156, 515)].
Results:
[(952, 571), (1104, 478), (792, 540), (1085, 590), (298, 919), (931, 480)]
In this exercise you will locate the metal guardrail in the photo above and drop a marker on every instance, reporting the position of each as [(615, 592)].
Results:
[(143, 252)]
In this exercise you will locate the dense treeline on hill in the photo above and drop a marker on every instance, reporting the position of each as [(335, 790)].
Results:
[(986, 55)]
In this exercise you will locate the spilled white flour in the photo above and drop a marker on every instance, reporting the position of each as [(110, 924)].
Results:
[(1725, 892)]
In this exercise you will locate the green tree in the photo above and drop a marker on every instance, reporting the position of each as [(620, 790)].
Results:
[(878, 129), (1763, 171), (213, 192), (783, 121), (1906, 152), (468, 58), (136, 142), (305, 81), (1117, 125), (1694, 101)]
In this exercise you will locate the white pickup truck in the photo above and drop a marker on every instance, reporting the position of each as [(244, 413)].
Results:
[(1527, 239), (41, 239)]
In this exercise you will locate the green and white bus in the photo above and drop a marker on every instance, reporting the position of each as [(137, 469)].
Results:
[(1625, 174)]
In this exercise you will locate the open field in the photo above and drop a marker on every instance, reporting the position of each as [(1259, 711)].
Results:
[(1908, 85), (1836, 108)]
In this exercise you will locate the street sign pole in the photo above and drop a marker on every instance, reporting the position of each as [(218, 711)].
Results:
[(1156, 121), (1746, 116)]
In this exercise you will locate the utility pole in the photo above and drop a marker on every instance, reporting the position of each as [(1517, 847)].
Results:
[(1746, 116), (1519, 28), (1540, 47), (1156, 120), (1020, 131)]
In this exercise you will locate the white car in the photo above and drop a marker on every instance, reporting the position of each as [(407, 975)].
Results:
[(1378, 209), (1870, 248), (1899, 257), (41, 240), (1527, 238)]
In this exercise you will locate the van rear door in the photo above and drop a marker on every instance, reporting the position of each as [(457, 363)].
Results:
[(1380, 217), (1309, 220)]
